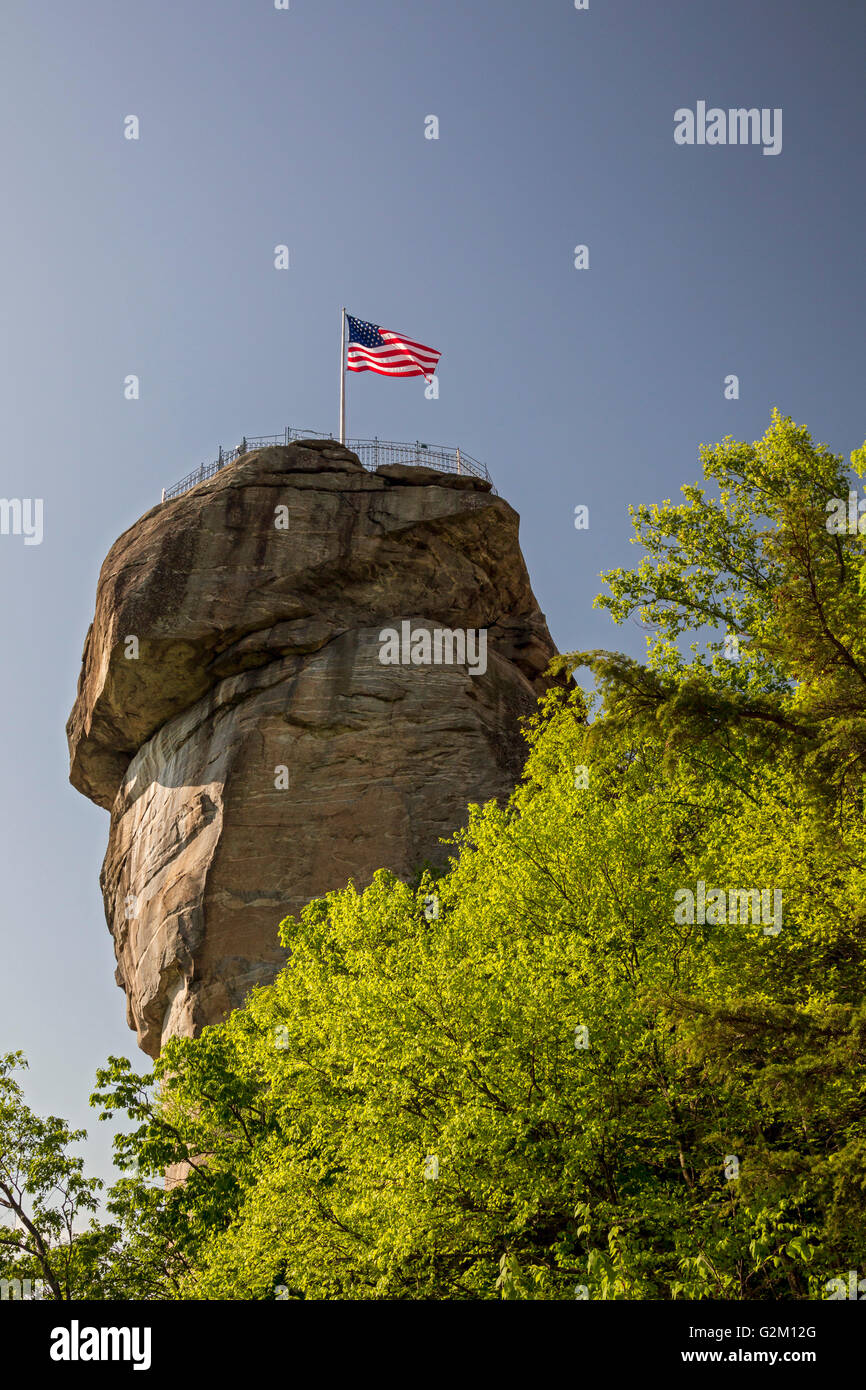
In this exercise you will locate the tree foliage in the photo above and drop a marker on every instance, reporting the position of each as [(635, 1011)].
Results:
[(557, 1083), (44, 1191)]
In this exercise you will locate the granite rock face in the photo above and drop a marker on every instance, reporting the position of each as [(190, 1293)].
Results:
[(234, 716)]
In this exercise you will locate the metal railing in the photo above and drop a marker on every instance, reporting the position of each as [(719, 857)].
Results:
[(373, 453)]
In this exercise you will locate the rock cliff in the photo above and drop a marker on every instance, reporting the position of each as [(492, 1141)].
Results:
[(234, 715)]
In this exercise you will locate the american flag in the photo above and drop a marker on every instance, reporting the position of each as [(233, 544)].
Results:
[(375, 349)]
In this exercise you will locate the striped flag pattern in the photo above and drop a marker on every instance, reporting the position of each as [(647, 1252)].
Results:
[(375, 349)]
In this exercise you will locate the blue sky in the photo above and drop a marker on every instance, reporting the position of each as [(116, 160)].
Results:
[(306, 127)]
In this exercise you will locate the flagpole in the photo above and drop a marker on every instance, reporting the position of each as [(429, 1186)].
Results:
[(343, 375)]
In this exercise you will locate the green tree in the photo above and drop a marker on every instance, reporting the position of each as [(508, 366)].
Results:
[(570, 1080), (760, 572), (44, 1190), (579, 1065)]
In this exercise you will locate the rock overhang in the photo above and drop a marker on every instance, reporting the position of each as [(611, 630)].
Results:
[(186, 640)]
